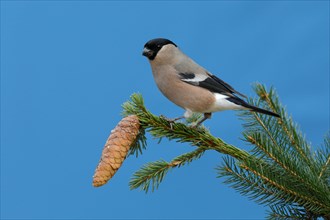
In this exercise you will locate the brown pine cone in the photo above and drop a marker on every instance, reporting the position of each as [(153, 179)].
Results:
[(116, 149)]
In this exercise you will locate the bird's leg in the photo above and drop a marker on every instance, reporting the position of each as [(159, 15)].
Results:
[(171, 120), (176, 119), (187, 114), (206, 116)]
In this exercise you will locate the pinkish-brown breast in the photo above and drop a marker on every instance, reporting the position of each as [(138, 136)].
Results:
[(182, 94)]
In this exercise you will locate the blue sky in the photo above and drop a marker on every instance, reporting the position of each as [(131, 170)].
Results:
[(66, 68)]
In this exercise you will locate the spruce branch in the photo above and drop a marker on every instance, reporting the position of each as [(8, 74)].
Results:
[(324, 158), (245, 182), (151, 174), (289, 128), (325, 167), (139, 145), (271, 141), (289, 194), (279, 212), (264, 183), (287, 154), (279, 171), (160, 127)]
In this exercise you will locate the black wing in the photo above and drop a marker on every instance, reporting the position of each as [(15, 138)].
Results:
[(211, 83)]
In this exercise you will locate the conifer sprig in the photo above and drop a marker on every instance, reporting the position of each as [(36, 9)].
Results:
[(291, 170), (151, 174), (323, 156), (159, 127), (280, 171)]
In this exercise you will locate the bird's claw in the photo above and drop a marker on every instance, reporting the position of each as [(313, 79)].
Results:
[(167, 119), (171, 120)]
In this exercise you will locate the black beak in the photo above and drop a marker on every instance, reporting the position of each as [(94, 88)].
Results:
[(147, 53)]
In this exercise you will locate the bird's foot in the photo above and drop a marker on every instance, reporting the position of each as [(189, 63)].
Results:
[(197, 124), (171, 120)]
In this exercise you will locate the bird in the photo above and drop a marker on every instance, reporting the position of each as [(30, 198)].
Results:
[(189, 85)]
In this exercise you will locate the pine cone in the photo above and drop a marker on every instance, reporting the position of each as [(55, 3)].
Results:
[(116, 149)]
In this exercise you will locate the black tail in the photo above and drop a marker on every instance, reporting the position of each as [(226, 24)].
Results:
[(241, 102), (263, 111)]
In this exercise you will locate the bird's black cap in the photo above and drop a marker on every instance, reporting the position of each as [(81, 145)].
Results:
[(152, 47)]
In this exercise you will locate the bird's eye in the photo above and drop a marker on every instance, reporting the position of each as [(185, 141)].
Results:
[(159, 46)]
